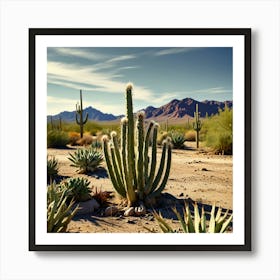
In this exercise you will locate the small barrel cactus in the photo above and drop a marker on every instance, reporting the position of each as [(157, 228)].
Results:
[(131, 169)]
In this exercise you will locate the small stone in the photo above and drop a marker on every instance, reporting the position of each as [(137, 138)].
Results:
[(181, 194), (130, 222), (139, 211), (204, 169), (111, 211), (129, 212), (87, 207)]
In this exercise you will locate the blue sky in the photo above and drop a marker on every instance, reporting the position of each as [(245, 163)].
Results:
[(158, 75)]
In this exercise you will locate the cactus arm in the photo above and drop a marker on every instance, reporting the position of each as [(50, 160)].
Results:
[(123, 151), (109, 164), (118, 156), (130, 136), (166, 174), (161, 167), (119, 187), (146, 149), (86, 119), (153, 161), (140, 158), (77, 121)]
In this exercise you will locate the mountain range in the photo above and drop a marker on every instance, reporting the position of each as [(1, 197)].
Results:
[(175, 109)]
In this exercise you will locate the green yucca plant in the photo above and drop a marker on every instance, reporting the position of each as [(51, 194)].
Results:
[(218, 223), (131, 169), (77, 188), (178, 139), (52, 168), (86, 159), (59, 213)]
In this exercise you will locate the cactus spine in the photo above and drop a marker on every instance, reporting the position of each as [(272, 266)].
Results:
[(132, 172), (79, 112), (197, 125)]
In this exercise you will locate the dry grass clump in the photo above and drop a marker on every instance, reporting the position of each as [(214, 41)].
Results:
[(190, 135), (73, 137), (86, 140)]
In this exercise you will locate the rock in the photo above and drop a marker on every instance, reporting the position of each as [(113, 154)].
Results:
[(181, 194), (130, 222), (140, 210), (129, 212), (111, 211), (204, 169), (87, 207)]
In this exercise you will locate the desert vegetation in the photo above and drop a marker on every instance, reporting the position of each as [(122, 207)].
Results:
[(140, 175)]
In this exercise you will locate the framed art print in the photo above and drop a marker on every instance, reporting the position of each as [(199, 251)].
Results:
[(140, 139)]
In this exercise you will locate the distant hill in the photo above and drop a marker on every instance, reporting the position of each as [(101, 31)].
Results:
[(175, 109), (185, 108), (93, 114)]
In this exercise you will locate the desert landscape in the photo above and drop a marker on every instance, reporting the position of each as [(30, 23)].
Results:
[(154, 157), (197, 176)]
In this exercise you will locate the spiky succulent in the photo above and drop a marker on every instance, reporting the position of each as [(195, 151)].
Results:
[(59, 213), (86, 159), (96, 145), (52, 168), (77, 188), (178, 139), (218, 223)]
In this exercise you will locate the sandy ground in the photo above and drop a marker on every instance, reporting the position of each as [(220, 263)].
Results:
[(196, 175)]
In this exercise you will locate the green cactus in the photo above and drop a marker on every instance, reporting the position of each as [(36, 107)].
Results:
[(197, 125), (79, 112), (132, 171)]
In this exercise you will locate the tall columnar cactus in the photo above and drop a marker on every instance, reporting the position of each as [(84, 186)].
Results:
[(79, 112), (131, 167), (197, 125)]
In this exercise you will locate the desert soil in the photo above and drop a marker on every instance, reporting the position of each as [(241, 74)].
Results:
[(195, 175)]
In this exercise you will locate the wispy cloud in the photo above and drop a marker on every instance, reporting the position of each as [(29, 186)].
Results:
[(80, 53), (72, 76), (171, 51), (213, 90)]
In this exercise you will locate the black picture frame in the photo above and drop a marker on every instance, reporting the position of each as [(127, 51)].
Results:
[(243, 32)]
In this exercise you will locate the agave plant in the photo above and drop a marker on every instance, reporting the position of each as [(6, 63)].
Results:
[(178, 140), (218, 223), (59, 213), (52, 168), (87, 159), (96, 145), (77, 188)]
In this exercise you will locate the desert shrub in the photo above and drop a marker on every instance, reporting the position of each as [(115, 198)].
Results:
[(86, 160), (161, 137), (77, 188), (178, 139), (59, 212), (190, 135), (73, 137), (52, 168), (86, 140), (219, 223), (218, 132), (57, 139), (101, 197)]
